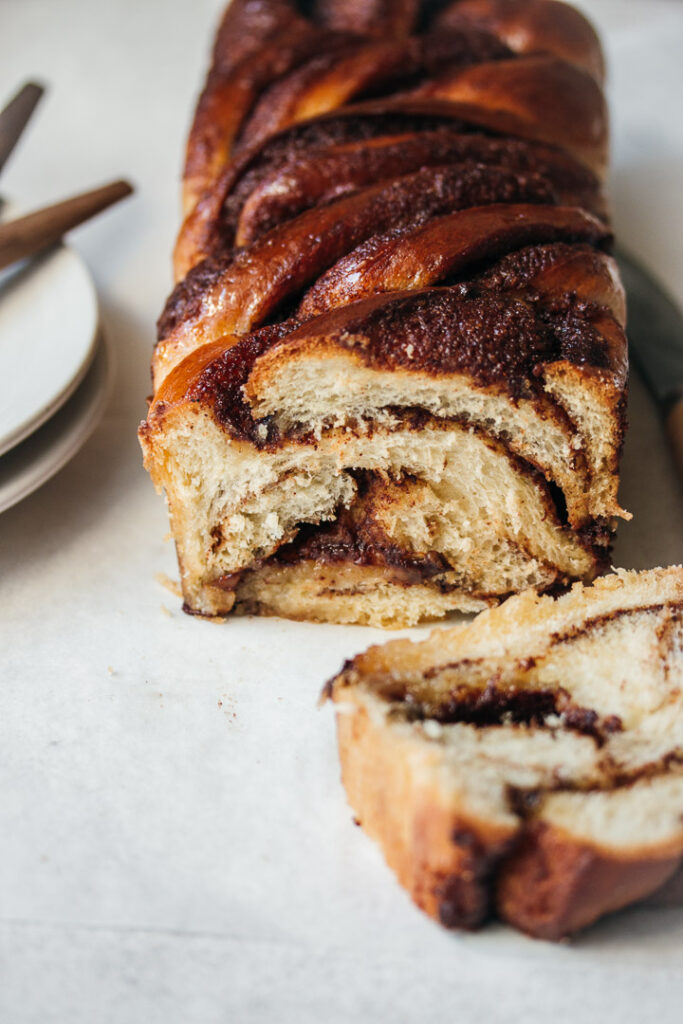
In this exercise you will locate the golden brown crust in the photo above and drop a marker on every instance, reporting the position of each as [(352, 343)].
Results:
[(256, 44), (388, 18), (295, 183), (552, 885), (323, 83), (444, 247), (177, 383), (236, 293), (534, 26), (441, 857), (270, 50), (520, 97), (462, 871), (213, 221)]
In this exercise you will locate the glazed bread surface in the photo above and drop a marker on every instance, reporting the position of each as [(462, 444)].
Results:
[(528, 765), (390, 381)]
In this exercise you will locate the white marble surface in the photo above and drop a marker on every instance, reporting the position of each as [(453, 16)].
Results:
[(174, 841)]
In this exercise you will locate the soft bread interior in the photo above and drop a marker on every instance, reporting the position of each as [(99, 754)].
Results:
[(446, 489), (344, 593), (574, 441), (619, 714), (597, 407), (567, 696)]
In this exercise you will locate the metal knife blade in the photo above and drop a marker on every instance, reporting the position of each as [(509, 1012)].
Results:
[(655, 331)]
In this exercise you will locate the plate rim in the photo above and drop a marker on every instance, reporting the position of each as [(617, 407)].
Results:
[(73, 434), (41, 415)]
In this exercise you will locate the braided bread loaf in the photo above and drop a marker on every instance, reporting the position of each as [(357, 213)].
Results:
[(529, 764), (390, 380)]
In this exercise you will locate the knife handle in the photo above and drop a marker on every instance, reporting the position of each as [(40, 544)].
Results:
[(674, 428), (28, 235)]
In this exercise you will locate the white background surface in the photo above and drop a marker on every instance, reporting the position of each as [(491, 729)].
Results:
[(174, 841)]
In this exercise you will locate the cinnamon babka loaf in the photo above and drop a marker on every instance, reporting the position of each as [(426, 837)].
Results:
[(529, 764), (390, 380)]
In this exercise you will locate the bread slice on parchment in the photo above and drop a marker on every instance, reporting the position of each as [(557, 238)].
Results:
[(528, 765)]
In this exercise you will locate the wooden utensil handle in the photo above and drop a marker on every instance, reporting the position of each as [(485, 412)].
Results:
[(37, 231), (15, 117), (674, 428)]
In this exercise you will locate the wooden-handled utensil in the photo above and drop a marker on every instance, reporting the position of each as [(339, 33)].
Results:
[(15, 117), (37, 231)]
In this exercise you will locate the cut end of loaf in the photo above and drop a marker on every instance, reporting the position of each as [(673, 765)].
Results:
[(444, 439), (385, 522)]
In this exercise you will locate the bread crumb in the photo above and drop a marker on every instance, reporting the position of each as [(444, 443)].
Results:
[(171, 585), (165, 611), (228, 708)]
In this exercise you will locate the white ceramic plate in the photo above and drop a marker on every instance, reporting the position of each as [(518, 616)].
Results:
[(40, 456), (48, 330)]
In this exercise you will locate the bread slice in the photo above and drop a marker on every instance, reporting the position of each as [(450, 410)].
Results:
[(528, 765)]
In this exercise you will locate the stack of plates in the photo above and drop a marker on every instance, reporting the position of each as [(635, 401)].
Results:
[(55, 369)]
